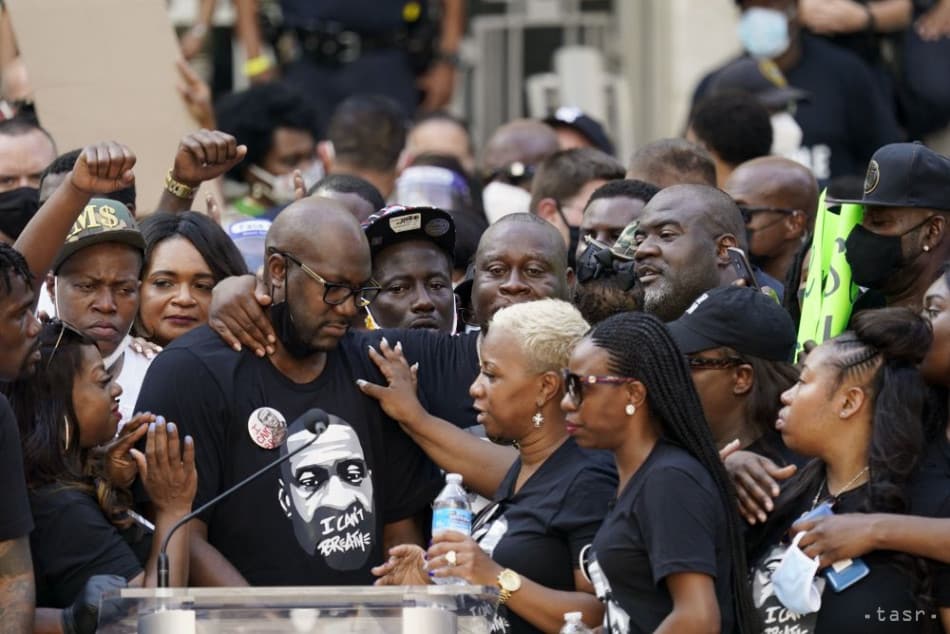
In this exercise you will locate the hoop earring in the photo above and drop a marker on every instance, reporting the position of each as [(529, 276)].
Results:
[(66, 432), (537, 420), (630, 409)]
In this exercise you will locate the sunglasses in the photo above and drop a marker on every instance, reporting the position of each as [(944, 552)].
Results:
[(711, 363), (335, 293), (574, 383)]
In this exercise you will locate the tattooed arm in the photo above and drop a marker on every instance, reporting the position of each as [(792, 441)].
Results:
[(16, 586)]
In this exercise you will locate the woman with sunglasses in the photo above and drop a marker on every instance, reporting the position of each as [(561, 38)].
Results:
[(669, 557), (547, 507), (859, 409), (83, 526)]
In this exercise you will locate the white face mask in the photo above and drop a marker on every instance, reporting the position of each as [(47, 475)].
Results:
[(793, 581), (764, 32), (280, 189), (501, 199), (786, 135)]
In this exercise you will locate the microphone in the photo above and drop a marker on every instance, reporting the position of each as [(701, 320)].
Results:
[(314, 421)]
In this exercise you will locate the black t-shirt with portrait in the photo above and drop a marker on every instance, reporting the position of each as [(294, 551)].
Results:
[(883, 602), (669, 519), (15, 518), (930, 497), (74, 540), (540, 530), (324, 526)]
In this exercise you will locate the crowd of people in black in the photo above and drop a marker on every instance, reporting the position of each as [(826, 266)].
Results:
[(608, 354)]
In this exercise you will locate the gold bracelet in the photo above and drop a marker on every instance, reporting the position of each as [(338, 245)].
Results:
[(179, 190), (256, 66)]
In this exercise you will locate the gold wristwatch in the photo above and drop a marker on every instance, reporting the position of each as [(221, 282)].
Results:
[(509, 582)]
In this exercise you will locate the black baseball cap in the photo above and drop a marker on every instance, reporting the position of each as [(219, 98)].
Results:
[(761, 78), (101, 220), (396, 223), (588, 127), (906, 175), (744, 319)]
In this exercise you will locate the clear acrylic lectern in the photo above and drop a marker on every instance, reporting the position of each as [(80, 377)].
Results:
[(314, 610)]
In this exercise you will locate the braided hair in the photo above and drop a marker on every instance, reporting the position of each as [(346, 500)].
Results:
[(13, 265), (639, 346)]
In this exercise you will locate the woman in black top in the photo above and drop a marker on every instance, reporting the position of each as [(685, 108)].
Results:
[(858, 409), (669, 556), (548, 505), (69, 407)]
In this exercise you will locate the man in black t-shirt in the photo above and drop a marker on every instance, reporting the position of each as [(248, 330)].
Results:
[(19, 353), (328, 516), (847, 117)]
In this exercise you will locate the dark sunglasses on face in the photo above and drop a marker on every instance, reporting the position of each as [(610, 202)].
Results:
[(335, 293), (574, 383)]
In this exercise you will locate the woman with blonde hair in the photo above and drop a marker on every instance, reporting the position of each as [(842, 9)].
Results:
[(546, 508)]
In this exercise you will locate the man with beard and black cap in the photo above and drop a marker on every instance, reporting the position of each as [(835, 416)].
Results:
[(904, 237), (238, 407)]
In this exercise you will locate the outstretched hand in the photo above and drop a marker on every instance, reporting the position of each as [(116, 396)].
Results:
[(103, 168), (757, 483), (399, 397)]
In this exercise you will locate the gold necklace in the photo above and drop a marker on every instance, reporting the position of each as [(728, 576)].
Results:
[(834, 497)]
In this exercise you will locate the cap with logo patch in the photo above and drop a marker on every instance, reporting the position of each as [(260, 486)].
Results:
[(395, 224), (102, 220), (744, 319), (906, 175)]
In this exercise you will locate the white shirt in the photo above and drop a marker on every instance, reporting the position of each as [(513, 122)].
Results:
[(134, 366)]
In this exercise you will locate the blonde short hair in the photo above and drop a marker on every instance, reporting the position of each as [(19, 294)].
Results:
[(547, 330)]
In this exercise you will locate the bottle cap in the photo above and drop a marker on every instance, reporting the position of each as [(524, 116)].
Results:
[(454, 478)]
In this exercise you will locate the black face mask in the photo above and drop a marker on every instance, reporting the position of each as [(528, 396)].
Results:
[(285, 329), (874, 258), (17, 206)]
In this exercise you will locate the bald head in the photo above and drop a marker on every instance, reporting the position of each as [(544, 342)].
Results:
[(525, 223), (670, 162), (524, 140), (705, 206), (774, 181), (319, 229)]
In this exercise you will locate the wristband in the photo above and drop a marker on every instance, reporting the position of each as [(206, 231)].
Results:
[(452, 59), (179, 190), (257, 66)]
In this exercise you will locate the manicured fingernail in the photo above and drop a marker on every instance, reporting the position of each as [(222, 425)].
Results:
[(360, 382), (171, 427), (768, 505), (160, 420), (237, 347), (398, 346), (272, 338), (384, 340), (151, 426), (414, 366)]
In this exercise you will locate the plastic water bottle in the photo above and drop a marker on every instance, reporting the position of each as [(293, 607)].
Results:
[(451, 511), (574, 625)]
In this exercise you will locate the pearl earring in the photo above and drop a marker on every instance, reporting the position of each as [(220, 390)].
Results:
[(537, 420), (630, 409), (926, 248)]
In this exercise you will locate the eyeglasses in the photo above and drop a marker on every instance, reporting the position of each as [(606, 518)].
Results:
[(749, 212), (334, 293), (574, 383), (63, 329), (714, 363)]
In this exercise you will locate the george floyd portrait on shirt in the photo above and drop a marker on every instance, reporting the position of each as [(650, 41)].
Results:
[(586, 364)]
